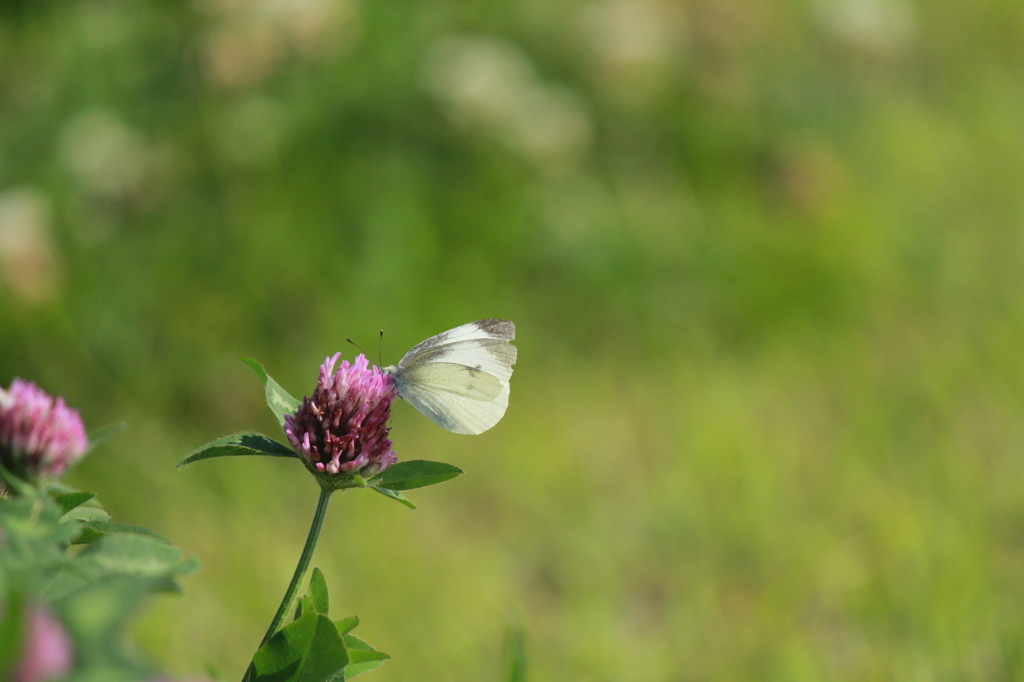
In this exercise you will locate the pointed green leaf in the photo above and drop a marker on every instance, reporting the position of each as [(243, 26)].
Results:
[(318, 592), (310, 648), (130, 554), (353, 642), (71, 500), (119, 555), (346, 625), (394, 495), (362, 657), (87, 536), (416, 474), (376, 659), (278, 399), (107, 527), (327, 653), (85, 514), (238, 444)]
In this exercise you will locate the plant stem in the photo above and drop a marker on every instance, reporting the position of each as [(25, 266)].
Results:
[(300, 570)]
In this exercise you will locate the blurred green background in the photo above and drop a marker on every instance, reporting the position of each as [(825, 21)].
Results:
[(766, 262)]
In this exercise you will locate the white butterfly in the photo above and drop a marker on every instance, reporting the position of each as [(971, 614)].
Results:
[(459, 378)]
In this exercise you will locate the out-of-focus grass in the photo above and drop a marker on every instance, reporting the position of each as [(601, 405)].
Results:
[(765, 264)]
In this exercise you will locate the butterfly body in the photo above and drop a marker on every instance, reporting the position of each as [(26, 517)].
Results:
[(459, 378)]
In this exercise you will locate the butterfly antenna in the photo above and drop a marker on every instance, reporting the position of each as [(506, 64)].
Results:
[(380, 349), (357, 346)]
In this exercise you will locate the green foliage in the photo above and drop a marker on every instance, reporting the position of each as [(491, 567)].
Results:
[(237, 445), (279, 400), (362, 657), (71, 500), (312, 648), (410, 475), (416, 474), (92, 592), (105, 527), (318, 592), (307, 650), (394, 495)]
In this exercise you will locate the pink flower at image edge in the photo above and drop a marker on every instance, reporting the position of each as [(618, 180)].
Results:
[(39, 434), (47, 651)]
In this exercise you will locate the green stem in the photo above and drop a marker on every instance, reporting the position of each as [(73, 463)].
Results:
[(300, 570)]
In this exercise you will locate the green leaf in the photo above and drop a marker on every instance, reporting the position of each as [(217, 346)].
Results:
[(121, 554), (364, 666), (394, 495), (71, 500), (239, 444), (353, 642), (87, 536), (33, 535), (308, 650), (416, 474), (278, 399), (136, 555), (285, 674), (346, 625), (318, 592), (362, 657), (85, 514), (107, 527), (327, 654)]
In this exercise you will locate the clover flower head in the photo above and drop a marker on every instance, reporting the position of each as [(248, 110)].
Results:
[(40, 436), (343, 428)]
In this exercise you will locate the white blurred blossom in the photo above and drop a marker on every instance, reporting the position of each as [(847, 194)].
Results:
[(874, 24), (249, 40), (241, 54), (637, 45), (490, 86), (28, 262), (317, 25), (106, 156)]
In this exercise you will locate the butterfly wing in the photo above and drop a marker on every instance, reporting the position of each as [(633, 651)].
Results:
[(498, 332), (459, 378)]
